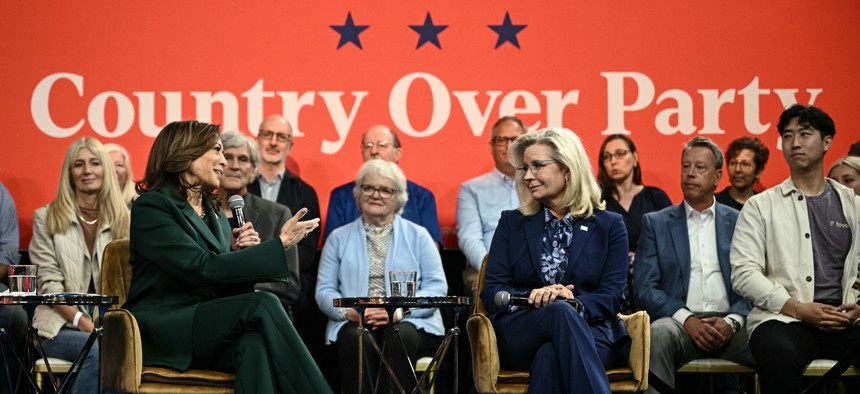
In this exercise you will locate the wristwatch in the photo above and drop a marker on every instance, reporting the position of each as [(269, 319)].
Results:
[(736, 325)]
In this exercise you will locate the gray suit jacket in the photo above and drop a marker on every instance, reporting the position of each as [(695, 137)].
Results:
[(267, 218)]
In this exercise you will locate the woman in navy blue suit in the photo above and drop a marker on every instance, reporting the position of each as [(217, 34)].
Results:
[(560, 242)]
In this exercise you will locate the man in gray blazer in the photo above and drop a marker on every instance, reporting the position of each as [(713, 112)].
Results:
[(682, 275), (267, 217)]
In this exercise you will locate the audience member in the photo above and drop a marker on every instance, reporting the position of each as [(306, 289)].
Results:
[(13, 319), (122, 164), (560, 242), (356, 261), (275, 183), (481, 200), (854, 149), (794, 255), (847, 172), (682, 273), (267, 217), (745, 161), (190, 293), (620, 176), (380, 142), (69, 237)]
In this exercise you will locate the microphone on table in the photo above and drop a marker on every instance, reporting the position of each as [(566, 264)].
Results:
[(504, 299), (236, 203)]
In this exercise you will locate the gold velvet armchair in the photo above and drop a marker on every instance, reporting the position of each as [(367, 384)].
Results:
[(122, 369), (489, 378)]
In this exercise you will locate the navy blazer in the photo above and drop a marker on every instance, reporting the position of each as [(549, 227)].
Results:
[(662, 276), (597, 265)]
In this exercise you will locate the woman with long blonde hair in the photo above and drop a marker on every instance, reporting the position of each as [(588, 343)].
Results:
[(69, 237)]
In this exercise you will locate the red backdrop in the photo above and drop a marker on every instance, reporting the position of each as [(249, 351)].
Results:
[(664, 71)]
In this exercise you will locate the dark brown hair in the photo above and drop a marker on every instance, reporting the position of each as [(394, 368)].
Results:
[(603, 177), (176, 146), (753, 144)]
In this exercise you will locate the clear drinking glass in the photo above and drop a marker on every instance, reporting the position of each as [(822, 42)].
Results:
[(402, 283)]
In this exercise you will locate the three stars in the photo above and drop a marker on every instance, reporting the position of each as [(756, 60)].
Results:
[(428, 32)]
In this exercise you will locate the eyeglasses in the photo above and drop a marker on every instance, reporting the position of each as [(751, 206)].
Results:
[(618, 155), (700, 168), (380, 145), (268, 134), (535, 167), (744, 165), (384, 192), (502, 141)]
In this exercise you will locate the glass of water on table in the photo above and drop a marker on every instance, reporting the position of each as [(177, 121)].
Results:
[(402, 283)]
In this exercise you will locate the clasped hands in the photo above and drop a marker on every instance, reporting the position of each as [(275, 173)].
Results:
[(825, 317), (373, 317), (710, 333), (547, 294)]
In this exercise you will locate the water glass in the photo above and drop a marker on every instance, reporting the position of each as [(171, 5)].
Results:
[(402, 283), (22, 279)]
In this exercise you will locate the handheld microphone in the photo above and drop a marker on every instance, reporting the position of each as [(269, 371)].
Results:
[(504, 299), (236, 203)]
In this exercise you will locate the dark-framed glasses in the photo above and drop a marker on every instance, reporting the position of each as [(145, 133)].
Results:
[(384, 192), (281, 137), (617, 155), (502, 141), (535, 167)]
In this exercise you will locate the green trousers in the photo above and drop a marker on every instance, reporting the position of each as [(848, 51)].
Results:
[(250, 335)]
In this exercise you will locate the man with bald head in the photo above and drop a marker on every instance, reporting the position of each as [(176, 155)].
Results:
[(380, 142), (276, 183)]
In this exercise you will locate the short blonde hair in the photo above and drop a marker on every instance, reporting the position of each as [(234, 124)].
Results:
[(582, 194), (112, 208), (851, 162), (128, 194), (384, 169)]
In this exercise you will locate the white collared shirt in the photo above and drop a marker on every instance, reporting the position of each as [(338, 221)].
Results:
[(706, 291)]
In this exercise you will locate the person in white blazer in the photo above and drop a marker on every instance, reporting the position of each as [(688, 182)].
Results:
[(69, 237), (355, 262)]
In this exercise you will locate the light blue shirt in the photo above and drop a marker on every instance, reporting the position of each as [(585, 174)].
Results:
[(9, 236), (269, 191), (480, 203)]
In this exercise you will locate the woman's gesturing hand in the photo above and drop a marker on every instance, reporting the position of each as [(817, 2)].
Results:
[(294, 230)]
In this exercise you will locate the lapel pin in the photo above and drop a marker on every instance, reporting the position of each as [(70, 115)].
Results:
[(583, 228)]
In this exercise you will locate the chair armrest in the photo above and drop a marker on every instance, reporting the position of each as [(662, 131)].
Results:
[(121, 355), (639, 327), (485, 353)]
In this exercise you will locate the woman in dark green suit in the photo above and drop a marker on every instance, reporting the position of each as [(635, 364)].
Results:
[(190, 293)]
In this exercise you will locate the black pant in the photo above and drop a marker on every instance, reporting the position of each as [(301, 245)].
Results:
[(418, 344), (783, 350)]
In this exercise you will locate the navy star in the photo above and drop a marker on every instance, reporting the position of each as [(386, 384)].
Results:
[(349, 32), (507, 31), (428, 32)]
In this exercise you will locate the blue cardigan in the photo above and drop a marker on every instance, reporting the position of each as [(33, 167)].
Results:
[(344, 268)]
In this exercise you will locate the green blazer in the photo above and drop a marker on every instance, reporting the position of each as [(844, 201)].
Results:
[(178, 263)]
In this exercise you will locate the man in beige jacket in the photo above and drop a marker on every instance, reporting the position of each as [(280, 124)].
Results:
[(795, 257)]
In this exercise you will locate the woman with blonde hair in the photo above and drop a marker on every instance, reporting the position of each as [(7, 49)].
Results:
[(847, 172), (560, 242), (69, 237), (124, 174)]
